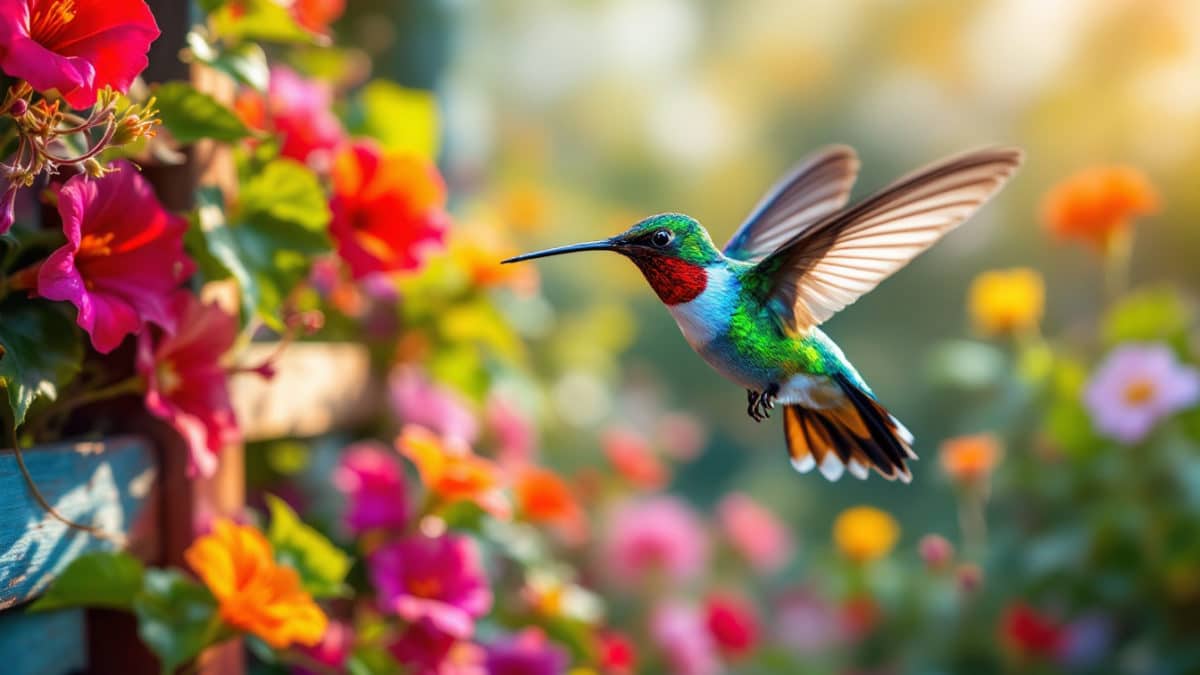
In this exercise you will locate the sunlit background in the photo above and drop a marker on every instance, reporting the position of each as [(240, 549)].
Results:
[(561, 122)]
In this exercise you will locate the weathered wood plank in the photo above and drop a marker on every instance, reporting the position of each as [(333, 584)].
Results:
[(46, 643), (111, 485), (318, 387)]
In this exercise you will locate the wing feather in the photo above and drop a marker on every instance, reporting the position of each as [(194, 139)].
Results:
[(835, 261), (816, 187)]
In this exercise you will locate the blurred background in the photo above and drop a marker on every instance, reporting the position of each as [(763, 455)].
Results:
[(1062, 546)]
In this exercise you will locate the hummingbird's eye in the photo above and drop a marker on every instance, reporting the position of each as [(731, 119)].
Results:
[(661, 238)]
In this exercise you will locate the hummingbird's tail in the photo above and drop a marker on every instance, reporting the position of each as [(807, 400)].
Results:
[(855, 436)]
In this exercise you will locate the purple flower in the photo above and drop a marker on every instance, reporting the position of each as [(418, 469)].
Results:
[(371, 477), (808, 623), (1135, 387), (439, 579), (1086, 642), (418, 400), (679, 630), (527, 653)]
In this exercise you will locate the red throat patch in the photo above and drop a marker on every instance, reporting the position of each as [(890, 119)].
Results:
[(675, 281)]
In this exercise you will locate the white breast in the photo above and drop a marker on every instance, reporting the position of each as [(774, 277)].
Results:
[(707, 317)]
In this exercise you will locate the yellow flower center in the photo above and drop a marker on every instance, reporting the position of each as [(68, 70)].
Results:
[(168, 379), (48, 19), (94, 246), (1139, 392)]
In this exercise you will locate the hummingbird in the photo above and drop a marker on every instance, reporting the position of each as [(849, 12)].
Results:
[(753, 309)]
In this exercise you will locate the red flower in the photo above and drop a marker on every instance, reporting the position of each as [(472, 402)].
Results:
[(388, 210), (1030, 633), (123, 257), (316, 15), (617, 653), (75, 46), (732, 623), (185, 383), (299, 111)]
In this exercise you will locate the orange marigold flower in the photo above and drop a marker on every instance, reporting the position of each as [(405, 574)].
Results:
[(545, 498), (451, 471), (865, 533), (1006, 301), (1099, 203), (970, 459), (254, 593)]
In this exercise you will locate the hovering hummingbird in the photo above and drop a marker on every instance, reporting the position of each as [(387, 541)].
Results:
[(752, 310)]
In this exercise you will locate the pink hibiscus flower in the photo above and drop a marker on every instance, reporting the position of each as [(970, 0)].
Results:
[(76, 47), (123, 257), (185, 383)]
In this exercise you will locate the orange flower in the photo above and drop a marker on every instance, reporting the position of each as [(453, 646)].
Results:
[(451, 471), (970, 459), (865, 533), (545, 498), (254, 593), (1097, 204), (632, 457)]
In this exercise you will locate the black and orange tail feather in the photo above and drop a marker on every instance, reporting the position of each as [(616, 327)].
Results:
[(856, 436)]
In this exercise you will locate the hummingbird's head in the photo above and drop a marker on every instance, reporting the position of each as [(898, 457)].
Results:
[(672, 251)]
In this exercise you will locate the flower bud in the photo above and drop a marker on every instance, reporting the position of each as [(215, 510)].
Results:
[(18, 108), (936, 551)]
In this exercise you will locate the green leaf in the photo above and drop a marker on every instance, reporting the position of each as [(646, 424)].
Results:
[(401, 119), (245, 62), (322, 566), (268, 244), (1151, 314), (40, 351), (95, 580), (191, 115), (264, 20), (177, 617)]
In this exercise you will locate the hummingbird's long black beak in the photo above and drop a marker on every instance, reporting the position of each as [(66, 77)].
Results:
[(601, 245)]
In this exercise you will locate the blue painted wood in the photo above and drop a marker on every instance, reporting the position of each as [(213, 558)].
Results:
[(47, 643), (109, 484)]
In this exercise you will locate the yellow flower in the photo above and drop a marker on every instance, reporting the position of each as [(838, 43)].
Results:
[(865, 533), (254, 593), (1006, 301)]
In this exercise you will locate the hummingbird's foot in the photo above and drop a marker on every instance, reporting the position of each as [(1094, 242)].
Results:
[(761, 403)]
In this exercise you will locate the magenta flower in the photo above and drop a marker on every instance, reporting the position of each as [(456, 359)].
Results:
[(123, 257), (1135, 387), (439, 579), (185, 383), (527, 653), (76, 47), (656, 536), (418, 400), (680, 631), (424, 650), (755, 532), (371, 477), (332, 651), (301, 112)]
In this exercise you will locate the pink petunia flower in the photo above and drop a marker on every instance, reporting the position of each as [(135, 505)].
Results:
[(418, 400), (1135, 387), (123, 257), (76, 47), (372, 479), (679, 630), (655, 536), (423, 649), (755, 532), (439, 579), (185, 383), (526, 653)]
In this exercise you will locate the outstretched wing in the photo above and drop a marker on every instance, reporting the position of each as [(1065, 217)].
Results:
[(837, 260), (815, 188)]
